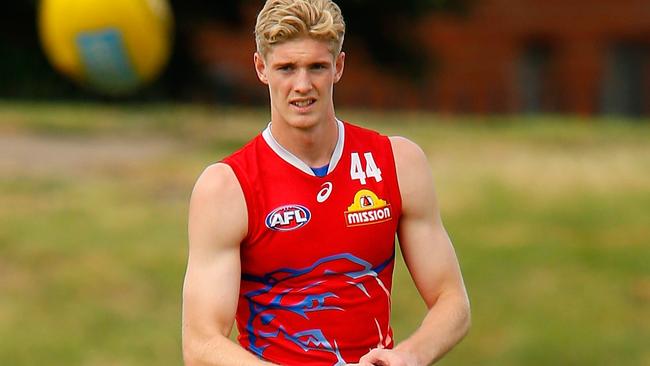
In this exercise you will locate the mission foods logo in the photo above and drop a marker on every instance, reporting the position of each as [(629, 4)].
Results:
[(367, 209), (287, 218)]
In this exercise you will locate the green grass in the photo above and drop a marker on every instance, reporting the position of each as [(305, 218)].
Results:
[(549, 217)]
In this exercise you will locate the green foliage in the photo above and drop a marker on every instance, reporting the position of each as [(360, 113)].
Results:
[(548, 217)]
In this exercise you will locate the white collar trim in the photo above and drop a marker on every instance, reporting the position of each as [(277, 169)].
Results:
[(287, 156)]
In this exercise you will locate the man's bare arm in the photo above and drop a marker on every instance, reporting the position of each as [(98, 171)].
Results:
[(218, 221), (432, 262)]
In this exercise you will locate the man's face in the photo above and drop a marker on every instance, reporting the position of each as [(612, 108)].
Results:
[(300, 74)]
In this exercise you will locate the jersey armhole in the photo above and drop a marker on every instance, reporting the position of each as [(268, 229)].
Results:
[(246, 188), (395, 180)]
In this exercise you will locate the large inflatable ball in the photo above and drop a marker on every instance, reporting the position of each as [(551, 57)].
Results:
[(111, 46)]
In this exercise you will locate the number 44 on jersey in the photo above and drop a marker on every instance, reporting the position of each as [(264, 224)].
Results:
[(357, 171)]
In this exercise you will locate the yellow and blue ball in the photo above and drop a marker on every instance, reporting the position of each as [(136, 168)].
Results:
[(111, 46)]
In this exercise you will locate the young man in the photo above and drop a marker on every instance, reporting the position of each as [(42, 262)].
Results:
[(293, 236)]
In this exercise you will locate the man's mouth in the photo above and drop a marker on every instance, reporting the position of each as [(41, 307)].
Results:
[(303, 102)]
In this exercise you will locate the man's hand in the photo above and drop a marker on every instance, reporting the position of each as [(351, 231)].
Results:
[(387, 357)]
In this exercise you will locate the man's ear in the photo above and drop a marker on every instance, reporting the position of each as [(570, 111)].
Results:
[(339, 65), (260, 67)]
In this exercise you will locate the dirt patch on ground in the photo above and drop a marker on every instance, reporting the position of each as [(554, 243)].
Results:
[(36, 155)]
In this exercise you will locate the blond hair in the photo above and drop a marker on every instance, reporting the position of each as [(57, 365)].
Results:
[(283, 20)]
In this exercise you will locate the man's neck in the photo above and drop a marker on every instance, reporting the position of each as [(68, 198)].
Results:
[(314, 146)]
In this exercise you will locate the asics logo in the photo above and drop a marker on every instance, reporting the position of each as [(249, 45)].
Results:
[(324, 193)]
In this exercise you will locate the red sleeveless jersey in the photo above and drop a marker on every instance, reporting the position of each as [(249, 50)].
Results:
[(317, 263)]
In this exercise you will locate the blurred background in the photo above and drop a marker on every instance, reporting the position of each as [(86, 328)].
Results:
[(476, 56), (534, 116)]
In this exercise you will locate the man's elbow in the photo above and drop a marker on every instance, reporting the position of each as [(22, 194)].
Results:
[(190, 356), (193, 352), (465, 317)]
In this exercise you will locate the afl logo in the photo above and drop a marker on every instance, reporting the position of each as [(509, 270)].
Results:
[(287, 218)]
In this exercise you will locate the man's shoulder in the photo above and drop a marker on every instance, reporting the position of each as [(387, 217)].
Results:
[(413, 171), (216, 180), (406, 149), (410, 160), (217, 211)]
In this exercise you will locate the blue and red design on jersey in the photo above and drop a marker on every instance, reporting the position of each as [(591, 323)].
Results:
[(266, 304)]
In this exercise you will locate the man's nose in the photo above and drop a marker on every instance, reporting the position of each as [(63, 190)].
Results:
[(303, 82)]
